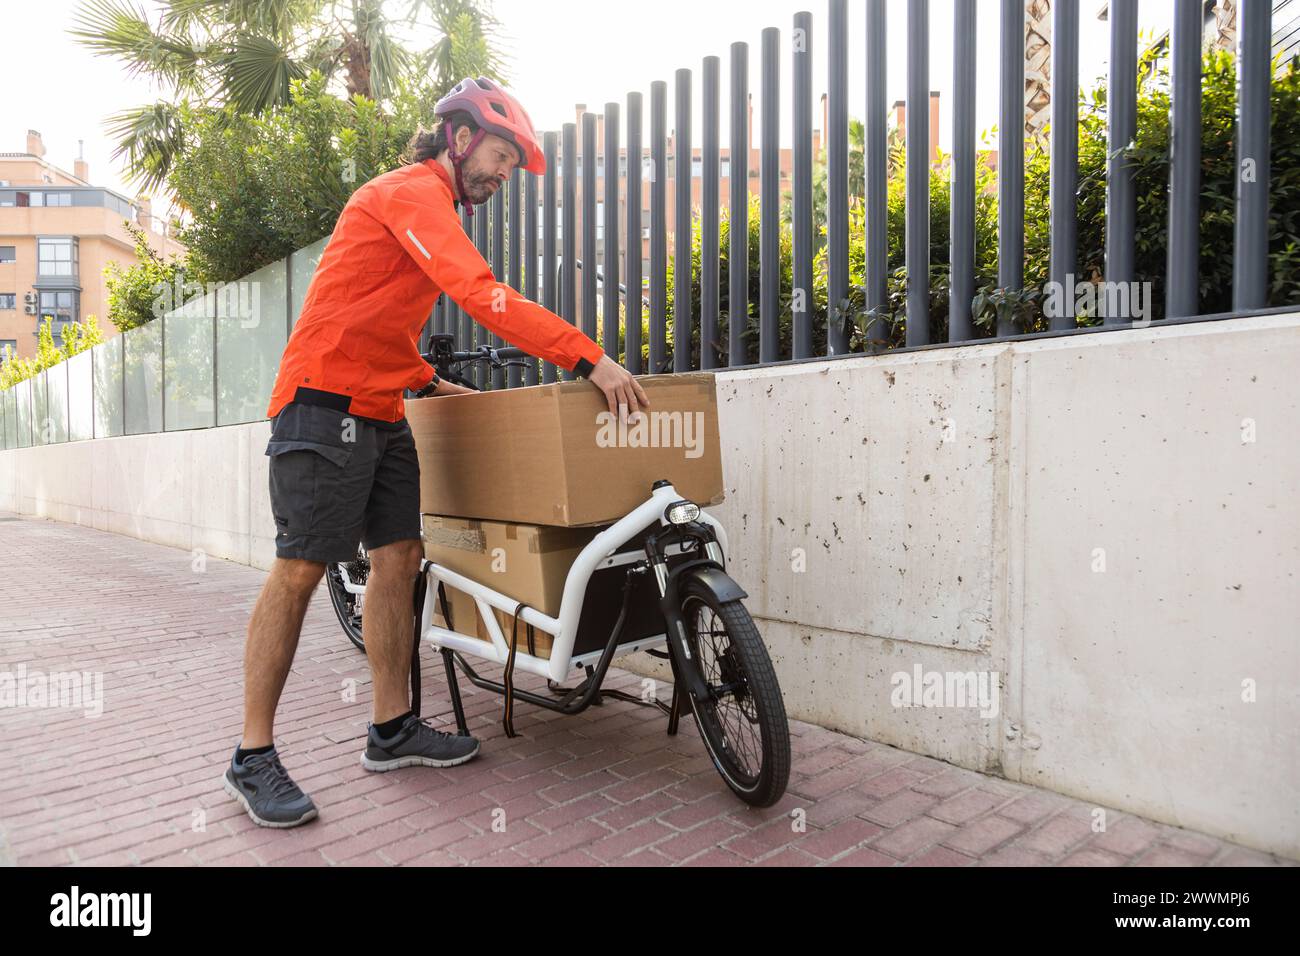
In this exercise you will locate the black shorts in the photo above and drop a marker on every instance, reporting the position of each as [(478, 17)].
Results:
[(337, 480)]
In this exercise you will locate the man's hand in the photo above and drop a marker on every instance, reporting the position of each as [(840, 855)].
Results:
[(620, 387), (451, 388)]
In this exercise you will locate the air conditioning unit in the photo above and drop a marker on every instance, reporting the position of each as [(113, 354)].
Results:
[(29, 298), (30, 308)]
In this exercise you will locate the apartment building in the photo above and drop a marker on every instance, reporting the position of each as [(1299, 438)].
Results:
[(57, 233)]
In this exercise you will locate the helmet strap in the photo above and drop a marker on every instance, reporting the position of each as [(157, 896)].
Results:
[(458, 158)]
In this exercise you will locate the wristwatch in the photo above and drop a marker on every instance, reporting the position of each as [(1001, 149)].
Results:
[(430, 388)]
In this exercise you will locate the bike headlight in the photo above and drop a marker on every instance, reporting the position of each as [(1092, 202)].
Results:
[(682, 512)]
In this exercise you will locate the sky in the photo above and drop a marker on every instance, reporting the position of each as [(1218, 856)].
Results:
[(560, 53)]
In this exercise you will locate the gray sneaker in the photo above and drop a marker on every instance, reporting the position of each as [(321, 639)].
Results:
[(416, 744), (263, 786)]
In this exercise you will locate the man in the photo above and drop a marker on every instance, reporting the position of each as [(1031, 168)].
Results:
[(343, 465)]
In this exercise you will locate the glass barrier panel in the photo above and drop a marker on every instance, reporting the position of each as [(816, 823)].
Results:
[(109, 400), (188, 399), (142, 363), (251, 318), (56, 402), (81, 402)]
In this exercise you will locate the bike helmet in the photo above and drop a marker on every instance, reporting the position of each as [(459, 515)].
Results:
[(494, 111)]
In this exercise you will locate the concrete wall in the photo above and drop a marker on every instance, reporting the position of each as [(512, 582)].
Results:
[(1106, 525), (204, 490)]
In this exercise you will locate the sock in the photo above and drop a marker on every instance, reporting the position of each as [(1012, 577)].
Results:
[(241, 753), (389, 727)]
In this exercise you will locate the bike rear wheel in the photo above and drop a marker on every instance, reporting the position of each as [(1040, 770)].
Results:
[(349, 606), (744, 724)]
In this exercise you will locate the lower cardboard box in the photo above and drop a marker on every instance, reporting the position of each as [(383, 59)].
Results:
[(526, 562)]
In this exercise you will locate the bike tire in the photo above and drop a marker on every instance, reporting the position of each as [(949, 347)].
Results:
[(343, 606), (765, 785)]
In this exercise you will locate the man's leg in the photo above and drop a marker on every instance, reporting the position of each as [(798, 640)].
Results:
[(388, 625), (272, 641), (255, 777), (392, 538)]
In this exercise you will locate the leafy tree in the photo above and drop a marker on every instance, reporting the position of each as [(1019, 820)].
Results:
[(133, 291), (261, 187), (244, 55), (75, 338)]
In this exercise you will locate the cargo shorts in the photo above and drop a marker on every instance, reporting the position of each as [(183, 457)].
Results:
[(337, 480)]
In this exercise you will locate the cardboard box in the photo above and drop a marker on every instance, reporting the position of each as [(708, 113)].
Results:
[(526, 562), (553, 455)]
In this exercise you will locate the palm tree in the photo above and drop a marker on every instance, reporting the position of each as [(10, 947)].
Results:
[(1225, 25), (1038, 66), (242, 55)]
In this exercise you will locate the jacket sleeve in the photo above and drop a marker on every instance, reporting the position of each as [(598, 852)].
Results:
[(422, 219)]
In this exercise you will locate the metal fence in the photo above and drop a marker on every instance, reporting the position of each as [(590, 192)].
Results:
[(196, 369)]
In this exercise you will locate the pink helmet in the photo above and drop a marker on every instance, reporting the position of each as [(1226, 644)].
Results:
[(494, 111)]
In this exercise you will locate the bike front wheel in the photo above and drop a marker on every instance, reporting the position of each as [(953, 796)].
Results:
[(743, 723)]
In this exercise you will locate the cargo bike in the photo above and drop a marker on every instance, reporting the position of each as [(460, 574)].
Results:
[(654, 581)]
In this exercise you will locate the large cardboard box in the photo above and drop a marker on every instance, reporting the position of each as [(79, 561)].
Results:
[(528, 563), (553, 454)]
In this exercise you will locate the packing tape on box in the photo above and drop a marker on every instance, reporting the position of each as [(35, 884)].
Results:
[(475, 541), (460, 539)]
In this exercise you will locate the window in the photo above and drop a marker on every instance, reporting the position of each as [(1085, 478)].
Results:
[(38, 198), (7, 254), (697, 168), (8, 300), (60, 308), (600, 220), (56, 257), (726, 168), (8, 349)]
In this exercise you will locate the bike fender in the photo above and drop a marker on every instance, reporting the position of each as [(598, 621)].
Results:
[(719, 583)]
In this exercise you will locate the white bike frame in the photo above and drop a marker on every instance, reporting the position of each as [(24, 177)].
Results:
[(599, 553)]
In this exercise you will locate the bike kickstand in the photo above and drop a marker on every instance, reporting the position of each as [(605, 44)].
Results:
[(453, 687), (675, 710)]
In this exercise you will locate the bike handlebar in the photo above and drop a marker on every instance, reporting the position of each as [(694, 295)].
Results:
[(482, 353)]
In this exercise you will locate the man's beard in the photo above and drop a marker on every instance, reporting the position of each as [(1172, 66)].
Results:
[(478, 186)]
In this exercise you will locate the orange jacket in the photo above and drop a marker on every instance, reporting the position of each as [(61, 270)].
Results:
[(397, 246)]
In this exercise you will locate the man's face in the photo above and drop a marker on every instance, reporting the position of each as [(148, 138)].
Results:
[(488, 168)]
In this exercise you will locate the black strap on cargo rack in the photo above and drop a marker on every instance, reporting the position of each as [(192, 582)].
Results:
[(508, 711), (442, 603)]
